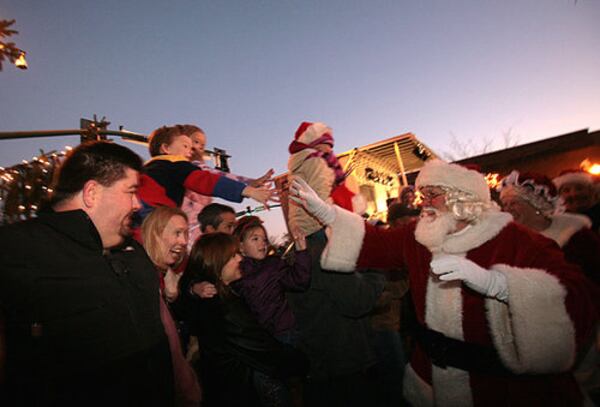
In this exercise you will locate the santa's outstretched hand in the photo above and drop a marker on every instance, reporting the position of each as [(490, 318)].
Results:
[(490, 283), (303, 194)]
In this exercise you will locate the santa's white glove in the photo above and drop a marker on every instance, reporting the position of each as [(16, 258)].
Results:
[(490, 283), (303, 194)]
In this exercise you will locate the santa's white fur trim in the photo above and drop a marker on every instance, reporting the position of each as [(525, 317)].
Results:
[(533, 333), (416, 390), (443, 307), (490, 223), (573, 178), (438, 172), (443, 313), (451, 387), (345, 241), (565, 225)]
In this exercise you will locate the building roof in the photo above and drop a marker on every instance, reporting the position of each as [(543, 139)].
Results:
[(499, 160), (382, 155)]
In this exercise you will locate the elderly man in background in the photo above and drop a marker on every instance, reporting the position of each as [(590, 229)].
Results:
[(501, 314), (532, 201), (577, 190)]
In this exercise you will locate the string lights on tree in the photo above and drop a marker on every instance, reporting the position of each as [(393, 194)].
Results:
[(25, 187), (8, 50)]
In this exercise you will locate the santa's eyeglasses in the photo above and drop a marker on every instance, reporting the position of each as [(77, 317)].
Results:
[(430, 193)]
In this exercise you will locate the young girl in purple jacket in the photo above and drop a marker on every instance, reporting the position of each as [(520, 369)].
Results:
[(266, 278)]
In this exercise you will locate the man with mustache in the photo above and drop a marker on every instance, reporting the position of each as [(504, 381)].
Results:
[(576, 189), (79, 298), (501, 315)]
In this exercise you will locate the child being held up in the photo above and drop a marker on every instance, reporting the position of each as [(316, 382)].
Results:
[(266, 278), (169, 173)]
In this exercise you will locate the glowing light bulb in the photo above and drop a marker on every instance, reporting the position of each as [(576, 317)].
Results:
[(21, 62)]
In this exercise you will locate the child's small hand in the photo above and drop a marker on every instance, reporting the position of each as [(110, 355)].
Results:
[(264, 180), (204, 289), (299, 240), (261, 194)]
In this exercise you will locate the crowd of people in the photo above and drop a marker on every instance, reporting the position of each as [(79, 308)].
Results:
[(131, 287)]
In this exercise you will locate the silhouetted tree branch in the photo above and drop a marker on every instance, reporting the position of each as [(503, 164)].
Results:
[(8, 50), (463, 149)]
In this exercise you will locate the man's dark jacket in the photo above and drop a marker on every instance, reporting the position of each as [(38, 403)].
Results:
[(82, 324)]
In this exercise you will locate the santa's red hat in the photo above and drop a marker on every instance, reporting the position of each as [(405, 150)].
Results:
[(537, 189), (313, 134), (573, 176), (439, 173)]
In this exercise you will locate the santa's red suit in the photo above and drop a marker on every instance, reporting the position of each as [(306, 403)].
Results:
[(536, 333)]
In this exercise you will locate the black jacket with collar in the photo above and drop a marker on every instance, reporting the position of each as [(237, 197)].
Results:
[(77, 317)]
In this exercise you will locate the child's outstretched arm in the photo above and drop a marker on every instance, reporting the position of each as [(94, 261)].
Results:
[(265, 179), (261, 194), (297, 276), (219, 185)]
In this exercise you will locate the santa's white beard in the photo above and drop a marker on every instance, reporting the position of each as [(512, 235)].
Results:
[(434, 227)]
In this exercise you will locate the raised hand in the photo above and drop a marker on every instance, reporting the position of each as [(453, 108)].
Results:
[(299, 239), (303, 194), (171, 289), (261, 194), (264, 180)]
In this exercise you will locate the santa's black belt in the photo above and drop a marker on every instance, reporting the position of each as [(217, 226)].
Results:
[(444, 351)]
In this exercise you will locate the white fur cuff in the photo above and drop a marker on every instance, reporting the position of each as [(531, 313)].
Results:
[(418, 392), (345, 236), (533, 333)]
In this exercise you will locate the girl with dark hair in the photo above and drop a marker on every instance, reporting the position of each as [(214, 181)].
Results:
[(266, 278), (236, 353)]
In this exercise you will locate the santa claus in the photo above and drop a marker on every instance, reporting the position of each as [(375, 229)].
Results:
[(501, 314)]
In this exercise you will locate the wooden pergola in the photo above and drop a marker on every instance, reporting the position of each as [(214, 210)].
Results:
[(400, 157)]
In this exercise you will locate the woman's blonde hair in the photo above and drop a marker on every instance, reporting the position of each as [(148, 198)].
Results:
[(152, 228), (210, 254)]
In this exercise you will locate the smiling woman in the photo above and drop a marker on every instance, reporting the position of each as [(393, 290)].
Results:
[(164, 234)]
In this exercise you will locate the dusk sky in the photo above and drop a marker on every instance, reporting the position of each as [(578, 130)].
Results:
[(249, 72)]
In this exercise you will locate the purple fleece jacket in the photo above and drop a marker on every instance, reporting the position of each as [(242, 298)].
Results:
[(263, 286)]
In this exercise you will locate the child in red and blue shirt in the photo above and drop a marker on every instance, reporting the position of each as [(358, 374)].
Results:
[(169, 173)]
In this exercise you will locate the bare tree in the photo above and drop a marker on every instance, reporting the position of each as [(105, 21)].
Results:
[(463, 149), (509, 139)]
